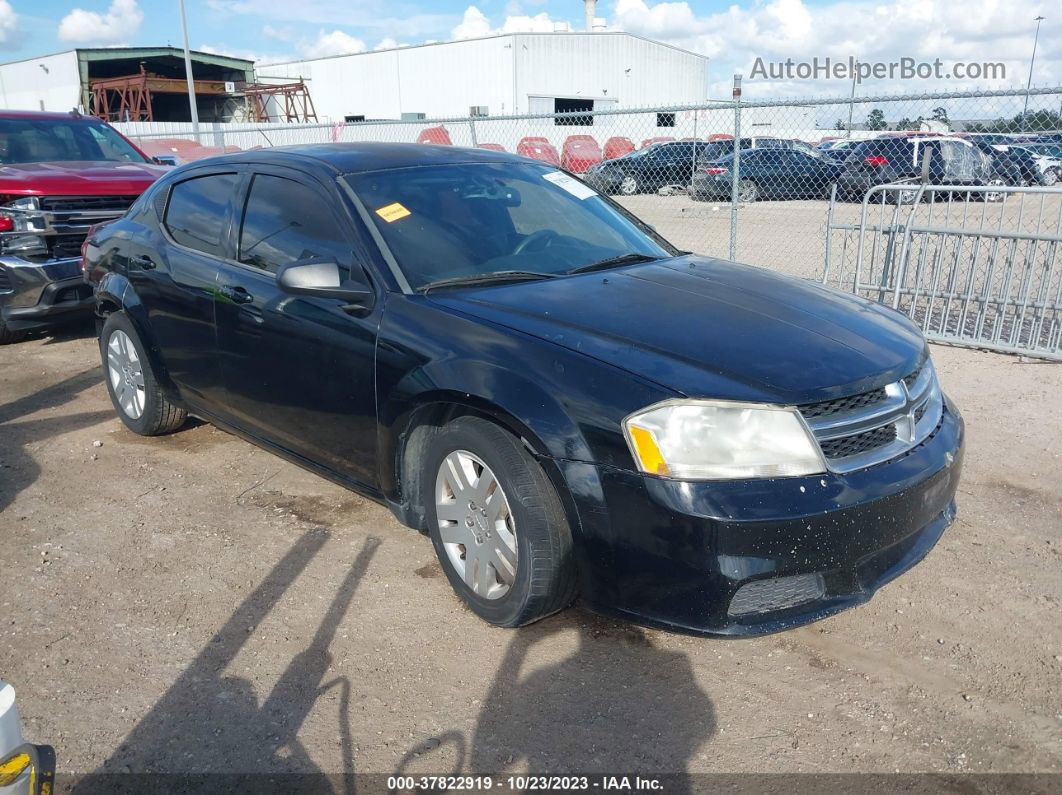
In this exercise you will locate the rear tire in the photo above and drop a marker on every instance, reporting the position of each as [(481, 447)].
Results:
[(7, 336), (748, 191), (497, 524), (131, 383), (628, 185)]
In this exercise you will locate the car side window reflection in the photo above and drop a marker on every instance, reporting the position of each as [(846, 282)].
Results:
[(285, 221), (197, 212)]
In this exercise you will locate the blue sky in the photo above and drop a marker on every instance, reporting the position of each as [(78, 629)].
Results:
[(732, 34)]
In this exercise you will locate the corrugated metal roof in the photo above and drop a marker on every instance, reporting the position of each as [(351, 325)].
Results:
[(121, 53), (596, 34)]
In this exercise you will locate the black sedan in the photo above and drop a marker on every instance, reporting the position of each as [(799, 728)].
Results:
[(648, 170), (568, 406), (766, 174)]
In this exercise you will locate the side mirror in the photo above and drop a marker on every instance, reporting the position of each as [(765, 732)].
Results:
[(33, 764), (164, 160), (320, 278)]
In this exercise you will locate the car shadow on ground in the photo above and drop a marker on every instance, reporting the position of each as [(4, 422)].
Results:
[(209, 733), (19, 469), (618, 703)]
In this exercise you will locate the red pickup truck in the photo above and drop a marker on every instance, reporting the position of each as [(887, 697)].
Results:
[(60, 174)]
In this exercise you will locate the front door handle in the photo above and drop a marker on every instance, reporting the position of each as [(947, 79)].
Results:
[(142, 261), (236, 294)]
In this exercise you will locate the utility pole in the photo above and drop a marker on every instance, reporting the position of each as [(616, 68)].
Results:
[(851, 105), (1028, 84), (188, 74)]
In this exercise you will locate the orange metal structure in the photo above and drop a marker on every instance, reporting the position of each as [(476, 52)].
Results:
[(293, 102), (128, 98)]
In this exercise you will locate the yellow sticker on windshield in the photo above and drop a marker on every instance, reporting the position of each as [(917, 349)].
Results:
[(393, 212)]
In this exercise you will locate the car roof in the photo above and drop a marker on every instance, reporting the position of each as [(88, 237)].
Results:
[(353, 158)]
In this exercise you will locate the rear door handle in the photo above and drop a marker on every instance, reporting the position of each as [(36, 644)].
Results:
[(236, 294), (142, 261)]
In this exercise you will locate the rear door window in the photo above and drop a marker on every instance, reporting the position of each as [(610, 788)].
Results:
[(197, 214), (287, 221)]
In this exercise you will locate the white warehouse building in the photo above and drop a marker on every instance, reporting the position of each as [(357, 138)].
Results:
[(506, 74)]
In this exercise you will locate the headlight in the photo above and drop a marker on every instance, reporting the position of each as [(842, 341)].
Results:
[(716, 440), (20, 219)]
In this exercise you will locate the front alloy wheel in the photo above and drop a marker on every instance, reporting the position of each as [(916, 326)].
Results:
[(476, 525), (497, 523), (628, 185)]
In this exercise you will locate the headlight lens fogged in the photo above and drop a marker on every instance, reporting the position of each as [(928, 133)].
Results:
[(716, 440)]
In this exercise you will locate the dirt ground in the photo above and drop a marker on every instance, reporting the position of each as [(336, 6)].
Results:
[(192, 603)]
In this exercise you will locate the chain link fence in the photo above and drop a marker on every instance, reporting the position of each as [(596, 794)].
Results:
[(779, 184)]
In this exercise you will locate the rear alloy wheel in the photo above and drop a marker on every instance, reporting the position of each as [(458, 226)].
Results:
[(497, 524), (748, 191), (134, 390), (1051, 177), (628, 185)]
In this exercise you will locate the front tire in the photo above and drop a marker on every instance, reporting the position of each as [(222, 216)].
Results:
[(497, 524), (628, 185), (131, 383)]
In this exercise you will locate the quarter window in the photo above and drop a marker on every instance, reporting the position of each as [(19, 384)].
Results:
[(285, 221), (198, 211)]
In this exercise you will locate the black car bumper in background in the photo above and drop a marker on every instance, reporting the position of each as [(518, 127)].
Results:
[(38, 295), (704, 186), (751, 557), (603, 180)]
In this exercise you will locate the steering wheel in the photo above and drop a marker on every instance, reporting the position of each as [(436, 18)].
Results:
[(543, 236)]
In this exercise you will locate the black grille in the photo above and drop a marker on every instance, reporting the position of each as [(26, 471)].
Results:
[(843, 405), (859, 443), (777, 593), (56, 204), (911, 377), (5, 279), (920, 412), (66, 246)]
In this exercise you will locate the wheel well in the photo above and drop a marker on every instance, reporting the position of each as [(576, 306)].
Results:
[(412, 445)]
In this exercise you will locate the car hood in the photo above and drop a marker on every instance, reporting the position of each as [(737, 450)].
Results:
[(78, 178), (711, 328)]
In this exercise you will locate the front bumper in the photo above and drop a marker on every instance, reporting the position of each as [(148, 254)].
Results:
[(678, 553), (38, 295), (603, 181)]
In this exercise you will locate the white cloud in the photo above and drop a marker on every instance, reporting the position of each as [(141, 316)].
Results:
[(387, 43), (475, 24), (8, 22), (118, 23), (334, 43)]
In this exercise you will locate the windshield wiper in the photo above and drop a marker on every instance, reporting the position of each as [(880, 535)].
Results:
[(497, 277), (615, 262)]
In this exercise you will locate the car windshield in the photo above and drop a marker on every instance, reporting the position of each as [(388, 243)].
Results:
[(50, 141), (465, 220)]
